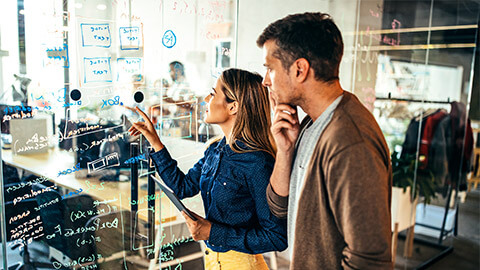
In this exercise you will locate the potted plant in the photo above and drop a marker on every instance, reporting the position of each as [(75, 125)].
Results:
[(405, 192), (403, 171)]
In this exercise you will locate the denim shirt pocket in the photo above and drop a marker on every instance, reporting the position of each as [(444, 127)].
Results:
[(228, 183), (226, 190)]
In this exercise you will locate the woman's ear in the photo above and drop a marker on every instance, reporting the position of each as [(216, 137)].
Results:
[(233, 107)]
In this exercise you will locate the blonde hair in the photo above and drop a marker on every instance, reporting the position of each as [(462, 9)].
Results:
[(252, 123)]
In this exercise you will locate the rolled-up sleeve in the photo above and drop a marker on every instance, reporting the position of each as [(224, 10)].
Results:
[(278, 204)]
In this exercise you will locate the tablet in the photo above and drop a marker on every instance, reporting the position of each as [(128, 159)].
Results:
[(173, 198)]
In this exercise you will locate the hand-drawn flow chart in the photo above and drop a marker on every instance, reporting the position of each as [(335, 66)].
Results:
[(108, 55)]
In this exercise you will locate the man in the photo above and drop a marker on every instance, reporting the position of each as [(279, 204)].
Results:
[(179, 90), (180, 94), (332, 175)]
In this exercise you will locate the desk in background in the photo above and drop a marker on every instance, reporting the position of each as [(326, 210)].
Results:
[(55, 160), (49, 164)]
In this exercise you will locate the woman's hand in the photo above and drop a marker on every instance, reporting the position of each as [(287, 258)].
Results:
[(200, 228), (148, 130)]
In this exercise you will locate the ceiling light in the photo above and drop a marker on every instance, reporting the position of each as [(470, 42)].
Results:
[(101, 7)]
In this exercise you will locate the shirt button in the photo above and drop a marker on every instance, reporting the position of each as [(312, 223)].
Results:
[(208, 192), (224, 183)]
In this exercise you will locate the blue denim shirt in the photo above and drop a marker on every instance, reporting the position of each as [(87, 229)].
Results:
[(233, 188)]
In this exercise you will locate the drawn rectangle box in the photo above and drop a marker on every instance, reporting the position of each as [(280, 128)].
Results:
[(127, 67), (96, 35), (97, 69), (95, 167), (130, 38), (22, 130), (106, 162)]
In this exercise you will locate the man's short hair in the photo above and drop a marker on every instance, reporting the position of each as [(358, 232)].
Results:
[(178, 67), (313, 36)]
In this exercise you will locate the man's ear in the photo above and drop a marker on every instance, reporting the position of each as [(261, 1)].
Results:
[(301, 68), (233, 107)]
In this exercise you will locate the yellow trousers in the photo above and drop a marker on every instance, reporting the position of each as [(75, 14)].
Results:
[(233, 260)]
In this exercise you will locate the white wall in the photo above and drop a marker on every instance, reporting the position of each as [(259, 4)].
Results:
[(254, 16), (9, 43)]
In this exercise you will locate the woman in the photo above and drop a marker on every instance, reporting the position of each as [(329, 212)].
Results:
[(232, 177)]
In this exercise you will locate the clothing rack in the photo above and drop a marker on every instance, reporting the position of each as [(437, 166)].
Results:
[(444, 250), (414, 100)]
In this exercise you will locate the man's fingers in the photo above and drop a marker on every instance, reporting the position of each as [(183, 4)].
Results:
[(282, 115), (285, 107), (278, 126)]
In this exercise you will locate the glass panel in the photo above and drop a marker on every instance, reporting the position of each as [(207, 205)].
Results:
[(412, 68), (70, 195)]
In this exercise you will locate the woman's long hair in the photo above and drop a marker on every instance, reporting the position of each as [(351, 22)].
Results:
[(252, 123)]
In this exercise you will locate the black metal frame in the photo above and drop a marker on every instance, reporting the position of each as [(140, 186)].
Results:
[(151, 204), (445, 250), (134, 188), (150, 237)]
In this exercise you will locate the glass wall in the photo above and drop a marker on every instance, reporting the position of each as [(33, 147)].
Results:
[(412, 66), (77, 191)]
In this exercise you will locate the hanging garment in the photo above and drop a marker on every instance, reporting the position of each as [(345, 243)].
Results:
[(462, 144), (439, 152), (409, 146), (431, 123), (451, 148)]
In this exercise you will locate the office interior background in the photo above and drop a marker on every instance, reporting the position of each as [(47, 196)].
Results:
[(76, 188)]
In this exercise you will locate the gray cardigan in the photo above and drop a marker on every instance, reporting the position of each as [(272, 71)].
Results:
[(343, 219)]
